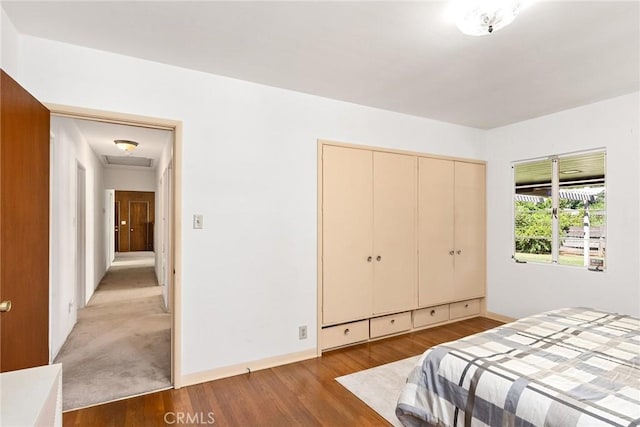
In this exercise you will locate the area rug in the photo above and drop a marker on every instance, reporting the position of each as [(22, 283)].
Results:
[(380, 387)]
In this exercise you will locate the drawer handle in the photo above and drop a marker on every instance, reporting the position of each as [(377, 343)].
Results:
[(466, 306), (378, 258), (459, 251), (433, 312), (451, 252), (369, 259), (393, 321), (346, 331)]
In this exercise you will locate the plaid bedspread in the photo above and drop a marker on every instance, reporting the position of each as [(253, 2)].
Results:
[(564, 368)]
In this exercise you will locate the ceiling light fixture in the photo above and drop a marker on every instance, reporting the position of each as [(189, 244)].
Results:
[(126, 145), (479, 18)]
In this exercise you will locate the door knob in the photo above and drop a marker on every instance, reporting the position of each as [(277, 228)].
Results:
[(451, 252), (378, 258), (369, 259), (459, 251), (132, 229), (5, 306)]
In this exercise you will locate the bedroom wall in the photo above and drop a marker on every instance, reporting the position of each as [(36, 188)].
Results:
[(68, 149), (250, 167), (519, 290)]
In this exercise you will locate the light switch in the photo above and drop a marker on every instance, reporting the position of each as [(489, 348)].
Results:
[(197, 222)]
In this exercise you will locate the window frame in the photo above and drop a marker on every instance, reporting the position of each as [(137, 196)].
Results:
[(555, 202)]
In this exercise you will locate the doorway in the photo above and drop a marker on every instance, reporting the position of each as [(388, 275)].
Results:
[(140, 224)]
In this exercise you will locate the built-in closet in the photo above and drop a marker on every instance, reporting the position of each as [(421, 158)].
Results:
[(401, 241)]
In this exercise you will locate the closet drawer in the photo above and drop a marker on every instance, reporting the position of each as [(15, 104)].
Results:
[(464, 308), (431, 315), (387, 325), (348, 333)]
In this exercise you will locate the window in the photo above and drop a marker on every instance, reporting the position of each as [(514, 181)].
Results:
[(560, 210)]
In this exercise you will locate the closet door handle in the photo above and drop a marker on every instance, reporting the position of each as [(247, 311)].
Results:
[(459, 251), (451, 252), (378, 258), (369, 259)]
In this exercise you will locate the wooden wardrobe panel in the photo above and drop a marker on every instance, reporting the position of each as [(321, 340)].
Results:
[(395, 246), (347, 224), (435, 231), (470, 225)]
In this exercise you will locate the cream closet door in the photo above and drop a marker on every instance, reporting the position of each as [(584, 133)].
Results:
[(470, 232), (394, 232), (436, 231), (347, 227)]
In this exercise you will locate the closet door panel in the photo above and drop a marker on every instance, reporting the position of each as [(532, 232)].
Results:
[(347, 224), (470, 226), (435, 231), (395, 205)]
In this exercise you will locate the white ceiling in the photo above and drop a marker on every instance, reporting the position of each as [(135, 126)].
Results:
[(399, 56), (100, 136)]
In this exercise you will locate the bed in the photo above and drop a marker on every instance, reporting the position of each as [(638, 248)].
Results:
[(564, 368)]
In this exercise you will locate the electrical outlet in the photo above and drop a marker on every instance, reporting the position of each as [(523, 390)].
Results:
[(302, 332)]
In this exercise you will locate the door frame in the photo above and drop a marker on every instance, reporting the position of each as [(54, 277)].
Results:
[(81, 236), (175, 252), (115, 235)]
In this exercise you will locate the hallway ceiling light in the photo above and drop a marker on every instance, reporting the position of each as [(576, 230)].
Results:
[(479, 18), (126, 145)]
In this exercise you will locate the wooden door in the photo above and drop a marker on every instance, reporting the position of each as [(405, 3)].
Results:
[(347, 226), (138, 225), (24, 227), (469, 230), (435, 231), (395, 251), (136, 212)]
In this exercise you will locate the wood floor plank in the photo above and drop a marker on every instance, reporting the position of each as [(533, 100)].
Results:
[(303, 393)]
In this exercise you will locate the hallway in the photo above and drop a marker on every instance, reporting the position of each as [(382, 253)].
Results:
[(121, 344)]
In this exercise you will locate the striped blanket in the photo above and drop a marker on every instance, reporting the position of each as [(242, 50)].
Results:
[(564, 368)]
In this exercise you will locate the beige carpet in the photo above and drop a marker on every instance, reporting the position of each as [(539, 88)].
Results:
[(121, 344), (380, 387)]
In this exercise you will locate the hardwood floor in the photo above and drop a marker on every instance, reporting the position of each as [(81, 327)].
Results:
[(301, 394)]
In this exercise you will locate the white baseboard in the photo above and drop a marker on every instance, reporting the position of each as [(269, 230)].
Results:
[(243, 368), (499, 317)]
